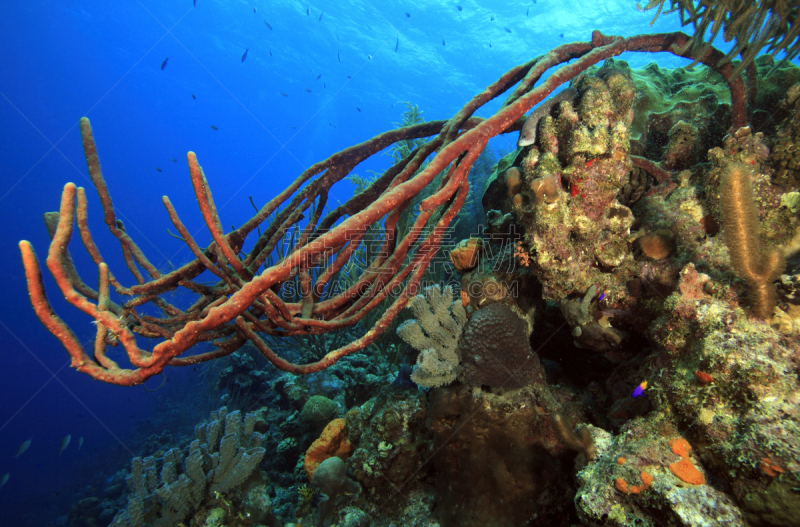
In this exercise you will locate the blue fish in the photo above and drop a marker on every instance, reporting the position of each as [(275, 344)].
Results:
[(397, 45), (268, 26), (639, 391), (245, 54), (320, 16), (507, 30), (308, 11), (458, 7), (164, 64)]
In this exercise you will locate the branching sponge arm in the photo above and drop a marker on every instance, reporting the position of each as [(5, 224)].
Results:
[(758, 266)]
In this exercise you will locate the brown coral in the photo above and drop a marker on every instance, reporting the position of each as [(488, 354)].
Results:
[(513, 181), (545, 190), (496, 352), (656, 246)]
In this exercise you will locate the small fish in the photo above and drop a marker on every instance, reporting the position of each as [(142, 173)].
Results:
[(320, 16), (490, 44), (443, 42), (349, 77), (318, 76), (527, 136), (64, 443), (602, 295), (3, 481), (507, 30), (534, 1), (194, 3), (397, 45), (639, 391), (339, 56), (324, 85), (158, 170), (174, 160), (337, 36), (527, 11), (357, 108), (308, 11), (458, 7), (23, 447), (80, 439), (214, 127), (369, 56), (308, 90), (492, 18), (408, 15), (244, 56), (193, 97), (284, 94), (267, 24), (561, 35), (254, 9), (164, 64)]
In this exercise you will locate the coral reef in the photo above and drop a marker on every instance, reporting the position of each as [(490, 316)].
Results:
[(224, 455)]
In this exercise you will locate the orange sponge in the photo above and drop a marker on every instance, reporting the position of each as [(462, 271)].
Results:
[(623, 487), (684, 469), (332, 442)]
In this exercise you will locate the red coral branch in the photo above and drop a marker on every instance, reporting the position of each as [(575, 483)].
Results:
[(246, 301)]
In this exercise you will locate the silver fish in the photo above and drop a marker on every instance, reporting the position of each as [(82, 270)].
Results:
[(80, 442), (64, 443), (527, 136), (23, 447), (5, 479)]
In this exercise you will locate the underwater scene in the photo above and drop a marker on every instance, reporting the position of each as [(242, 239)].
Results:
[(378, 263)]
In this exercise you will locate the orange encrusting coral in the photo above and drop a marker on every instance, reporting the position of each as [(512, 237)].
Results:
[(770, 468), (684, 469), (332, 442), (703, 377), (621, 461), (623, 487)]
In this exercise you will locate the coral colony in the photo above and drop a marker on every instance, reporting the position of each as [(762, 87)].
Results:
[(613, 351)]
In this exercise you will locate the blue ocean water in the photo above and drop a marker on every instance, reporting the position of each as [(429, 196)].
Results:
[(158, 79)]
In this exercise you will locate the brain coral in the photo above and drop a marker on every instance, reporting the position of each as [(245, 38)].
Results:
[(496, 352)]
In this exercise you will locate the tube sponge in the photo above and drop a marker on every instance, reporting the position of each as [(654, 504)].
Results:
[(757, 265)]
